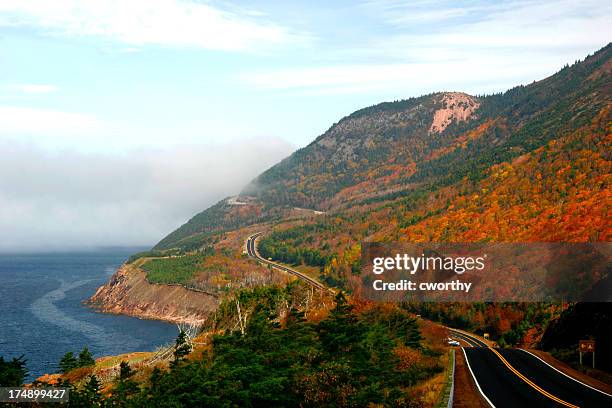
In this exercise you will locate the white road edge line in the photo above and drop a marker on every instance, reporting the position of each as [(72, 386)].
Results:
[(475, 380), (466, 339), (568, 376)]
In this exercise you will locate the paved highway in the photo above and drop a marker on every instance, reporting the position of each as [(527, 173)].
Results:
[(505, 377), (251, 247), (517, 378)]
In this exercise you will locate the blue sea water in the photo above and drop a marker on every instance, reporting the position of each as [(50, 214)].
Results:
[(42, 317)]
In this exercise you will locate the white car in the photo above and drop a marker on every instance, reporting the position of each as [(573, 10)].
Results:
[(453, 343)]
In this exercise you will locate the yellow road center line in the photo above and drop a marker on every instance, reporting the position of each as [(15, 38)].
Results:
[(530, 383)]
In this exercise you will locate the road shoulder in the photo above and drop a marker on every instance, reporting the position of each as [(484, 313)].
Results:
[(566, 369)]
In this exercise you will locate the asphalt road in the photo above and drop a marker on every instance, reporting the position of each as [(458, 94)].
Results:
[(472, 341), (516, 378), (251, 246), (505, 377)]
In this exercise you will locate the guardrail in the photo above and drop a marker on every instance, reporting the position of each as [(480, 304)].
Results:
[(446, 399)]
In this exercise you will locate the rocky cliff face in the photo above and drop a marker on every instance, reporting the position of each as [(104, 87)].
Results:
[(459, 107), (128, 292)]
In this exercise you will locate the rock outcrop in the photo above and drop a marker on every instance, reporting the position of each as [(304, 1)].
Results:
[(128, 292), (457, 106)]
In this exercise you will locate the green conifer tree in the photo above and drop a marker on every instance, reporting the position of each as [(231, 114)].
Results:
[(12, 373), (92, 391), (181, 348), (68, 362), (126, 387), (125, 371), (85, 358)]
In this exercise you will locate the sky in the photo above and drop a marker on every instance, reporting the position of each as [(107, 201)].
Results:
[(119, 120)]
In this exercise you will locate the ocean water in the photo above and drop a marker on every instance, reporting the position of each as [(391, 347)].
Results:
[(42, 317)]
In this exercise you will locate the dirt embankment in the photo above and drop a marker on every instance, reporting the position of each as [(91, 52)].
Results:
[(128, 292), (466, 393)]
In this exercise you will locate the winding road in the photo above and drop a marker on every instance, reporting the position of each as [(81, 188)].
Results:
[(518, 378), (505, 378), (251, 247)]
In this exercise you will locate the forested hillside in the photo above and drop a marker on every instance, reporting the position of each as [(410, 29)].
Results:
[(414, 152), (437, 139), (279, 347)]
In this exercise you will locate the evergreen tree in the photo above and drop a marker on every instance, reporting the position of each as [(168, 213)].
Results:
[(181, 348), (68, 362), (156, 377), (12, 373), (85, 358), (92, 391), (126, 387), (78, 398), (342, 330), (125, 371)]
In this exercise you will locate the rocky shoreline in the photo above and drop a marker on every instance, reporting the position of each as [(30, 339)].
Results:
[(129, 293)]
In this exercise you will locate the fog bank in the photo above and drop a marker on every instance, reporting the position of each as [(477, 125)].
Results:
[(71, 200)]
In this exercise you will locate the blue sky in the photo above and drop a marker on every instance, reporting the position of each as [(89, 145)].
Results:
[(151, 82)]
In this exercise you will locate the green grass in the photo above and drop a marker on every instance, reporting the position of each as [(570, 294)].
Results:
[(180, 269)]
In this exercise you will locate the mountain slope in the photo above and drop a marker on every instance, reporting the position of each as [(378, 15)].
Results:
[(379, 143), (442, 143), (415, 141)]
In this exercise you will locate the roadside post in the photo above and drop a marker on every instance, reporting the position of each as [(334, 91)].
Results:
[(586, 346)]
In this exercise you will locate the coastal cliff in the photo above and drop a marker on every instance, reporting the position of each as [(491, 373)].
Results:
[(128, 292)]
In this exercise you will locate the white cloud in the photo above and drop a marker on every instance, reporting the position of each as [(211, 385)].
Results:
[(503, 14), (141, 22), (483, 47), (15, 120), (35, 88), (408, 78), (492, 26)]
